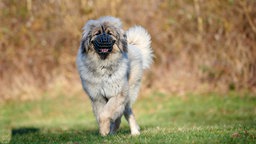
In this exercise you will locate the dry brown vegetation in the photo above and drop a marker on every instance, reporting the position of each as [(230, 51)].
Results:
[(199, 45)]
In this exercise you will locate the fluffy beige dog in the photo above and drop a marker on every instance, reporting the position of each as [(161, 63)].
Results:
[(110, 62)]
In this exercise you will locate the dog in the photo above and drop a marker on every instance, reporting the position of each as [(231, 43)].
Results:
[(110, 62)]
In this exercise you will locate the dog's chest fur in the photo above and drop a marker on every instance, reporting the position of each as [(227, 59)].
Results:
[(104, 78)]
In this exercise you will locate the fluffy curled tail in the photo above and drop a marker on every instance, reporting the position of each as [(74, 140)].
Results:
[(139, 37)]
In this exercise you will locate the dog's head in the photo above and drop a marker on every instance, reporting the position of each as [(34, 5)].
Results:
[(103, 37)]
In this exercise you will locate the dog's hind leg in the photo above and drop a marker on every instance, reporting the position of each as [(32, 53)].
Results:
[(115, 125), (135, 129)]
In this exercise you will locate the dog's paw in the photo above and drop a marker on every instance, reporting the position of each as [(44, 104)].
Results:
[(104, 129), (135, 132), (103, 133)]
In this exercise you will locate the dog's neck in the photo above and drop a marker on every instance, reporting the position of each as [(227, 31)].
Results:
[(111, 64)]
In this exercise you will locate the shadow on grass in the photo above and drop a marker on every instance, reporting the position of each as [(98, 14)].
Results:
[(36, 135), (55, 135), (24, 131)]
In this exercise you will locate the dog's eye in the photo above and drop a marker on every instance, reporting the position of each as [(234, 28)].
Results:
[(97, 33), (109, 33)]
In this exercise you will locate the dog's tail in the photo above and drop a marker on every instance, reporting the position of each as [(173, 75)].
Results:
[(139, 37)]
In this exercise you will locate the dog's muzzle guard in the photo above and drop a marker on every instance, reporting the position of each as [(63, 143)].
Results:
[(103, 44)]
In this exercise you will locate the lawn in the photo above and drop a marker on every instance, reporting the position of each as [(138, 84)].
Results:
[(207, 118)]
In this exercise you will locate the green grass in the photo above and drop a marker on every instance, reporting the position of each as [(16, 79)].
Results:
[(208, 118)]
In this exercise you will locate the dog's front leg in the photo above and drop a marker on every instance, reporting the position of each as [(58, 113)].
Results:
[(111, 111), (98, 106)]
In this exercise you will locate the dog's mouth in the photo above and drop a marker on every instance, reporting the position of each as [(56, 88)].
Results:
[(103, 50)]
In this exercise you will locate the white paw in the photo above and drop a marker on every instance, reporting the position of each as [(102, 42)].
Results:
[(135, 132)]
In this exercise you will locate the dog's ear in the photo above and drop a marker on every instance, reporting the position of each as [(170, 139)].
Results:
[(86, 36), (85, 43), (123, 41), (84, 50), (88, 27)]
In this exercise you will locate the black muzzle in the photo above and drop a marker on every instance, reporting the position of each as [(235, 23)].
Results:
[(103, 43)]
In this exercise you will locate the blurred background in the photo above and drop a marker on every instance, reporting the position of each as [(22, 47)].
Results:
[(199, 45)]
